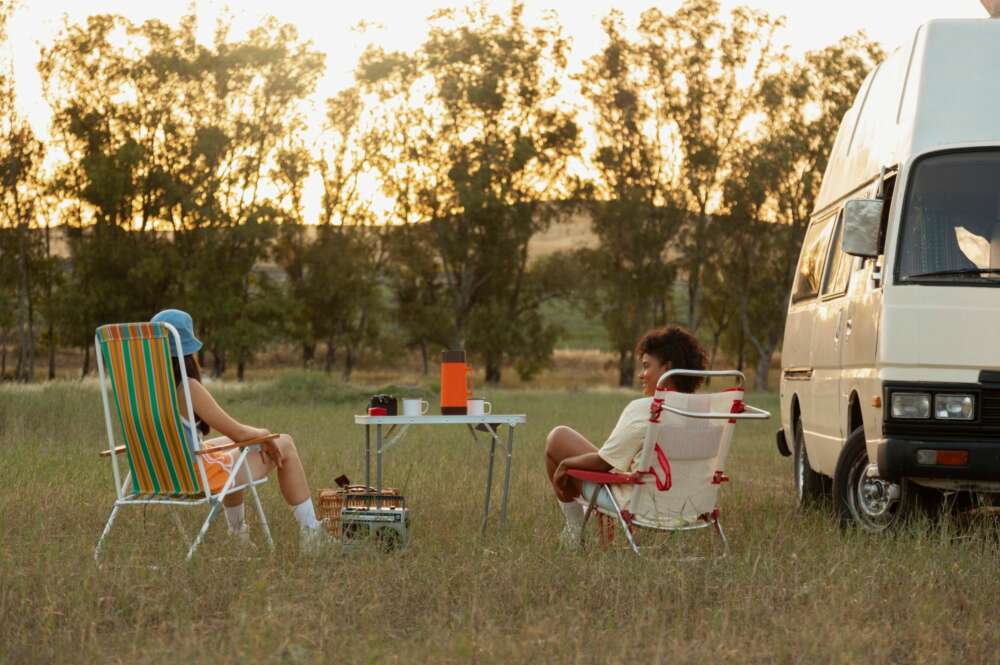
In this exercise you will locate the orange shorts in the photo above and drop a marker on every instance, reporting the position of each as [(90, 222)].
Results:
[(218, 466)]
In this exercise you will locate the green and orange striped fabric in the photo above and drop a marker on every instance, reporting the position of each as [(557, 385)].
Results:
[(137, 361)]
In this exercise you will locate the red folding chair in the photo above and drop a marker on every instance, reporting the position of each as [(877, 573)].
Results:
[(674, 484)]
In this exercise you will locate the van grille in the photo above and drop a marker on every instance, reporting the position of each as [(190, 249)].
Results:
[(990, 408)]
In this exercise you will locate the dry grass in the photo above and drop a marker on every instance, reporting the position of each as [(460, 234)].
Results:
[(794, 589)]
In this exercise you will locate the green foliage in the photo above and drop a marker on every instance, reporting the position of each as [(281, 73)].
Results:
[(635, 204), (169, 145), (469, 135)]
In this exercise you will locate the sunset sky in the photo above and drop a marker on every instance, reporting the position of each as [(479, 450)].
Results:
[(397, 24)]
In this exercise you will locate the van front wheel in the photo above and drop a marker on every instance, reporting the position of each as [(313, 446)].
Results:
[(870, 503)]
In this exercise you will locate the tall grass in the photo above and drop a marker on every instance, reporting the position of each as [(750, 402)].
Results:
[(794, 588)]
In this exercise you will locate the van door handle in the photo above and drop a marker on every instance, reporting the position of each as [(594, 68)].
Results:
[(848, 326)]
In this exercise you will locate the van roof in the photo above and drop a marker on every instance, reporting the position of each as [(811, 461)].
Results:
[(939, 89)]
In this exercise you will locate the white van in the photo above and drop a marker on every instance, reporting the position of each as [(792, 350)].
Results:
[(890, 386)]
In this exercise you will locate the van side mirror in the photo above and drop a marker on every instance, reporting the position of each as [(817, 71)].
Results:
[(862, 219)]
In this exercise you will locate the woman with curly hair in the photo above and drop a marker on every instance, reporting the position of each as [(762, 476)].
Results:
[(658, 351)]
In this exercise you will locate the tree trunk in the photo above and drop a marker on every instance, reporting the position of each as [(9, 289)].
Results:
[(25, 323), (423, 358), (308, 354), (3, 361), (52, 351), (240, 371), (348, 362), (740, 350), (492, 371), (763, 367), (218, 363), (626, 368), (86, 362), (331, 357)]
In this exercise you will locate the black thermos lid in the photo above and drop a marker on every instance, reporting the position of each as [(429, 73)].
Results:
[(453, 356)]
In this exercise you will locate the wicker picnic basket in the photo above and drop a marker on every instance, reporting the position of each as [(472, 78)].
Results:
[(353, 496)]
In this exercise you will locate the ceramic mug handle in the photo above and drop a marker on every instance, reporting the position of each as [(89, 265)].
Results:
[(487, 408)]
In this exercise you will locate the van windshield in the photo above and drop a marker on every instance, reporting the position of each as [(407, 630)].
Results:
[(951, 224)]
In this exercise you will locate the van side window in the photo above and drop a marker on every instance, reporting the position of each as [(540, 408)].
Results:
[(838, 274), (814, 250)]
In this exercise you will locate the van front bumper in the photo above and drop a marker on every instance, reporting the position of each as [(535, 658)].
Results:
[(897, 458)]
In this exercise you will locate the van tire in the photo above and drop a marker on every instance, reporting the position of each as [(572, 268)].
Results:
[(810, 488), (859, 501)]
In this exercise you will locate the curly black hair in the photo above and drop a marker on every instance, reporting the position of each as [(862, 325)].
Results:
[(680, 349)]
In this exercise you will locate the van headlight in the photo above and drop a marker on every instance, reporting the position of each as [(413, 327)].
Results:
[(954, 407), (911, 405)]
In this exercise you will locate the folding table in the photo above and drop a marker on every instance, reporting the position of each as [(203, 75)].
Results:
[(399, 425)]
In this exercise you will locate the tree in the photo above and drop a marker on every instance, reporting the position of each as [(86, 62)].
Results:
[(779, 179), (633, 201), (336, 269), (169, 147), (707, 77), (22, 183), (474, 142)]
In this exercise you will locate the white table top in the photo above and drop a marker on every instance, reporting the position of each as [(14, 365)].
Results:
[(491, 419)]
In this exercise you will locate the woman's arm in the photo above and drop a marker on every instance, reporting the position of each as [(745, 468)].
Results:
[(206, 408), (567, 485), (586, 462)]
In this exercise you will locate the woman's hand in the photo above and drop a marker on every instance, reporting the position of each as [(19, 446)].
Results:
[(565, 489), (271, 451)]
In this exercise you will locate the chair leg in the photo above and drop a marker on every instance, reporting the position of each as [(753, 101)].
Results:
[(725, 542), (260, 514), (204, 529), (622, 522), (107, 528)]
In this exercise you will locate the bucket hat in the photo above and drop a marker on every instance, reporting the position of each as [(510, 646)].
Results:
[(180, 320)]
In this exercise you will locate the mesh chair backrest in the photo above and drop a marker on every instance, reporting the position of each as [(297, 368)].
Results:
[(136, 357), (696, 449)]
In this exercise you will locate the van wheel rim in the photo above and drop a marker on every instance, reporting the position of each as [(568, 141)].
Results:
[(870, 500)]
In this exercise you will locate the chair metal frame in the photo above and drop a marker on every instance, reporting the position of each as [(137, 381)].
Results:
[(642, 477), (212, 500)]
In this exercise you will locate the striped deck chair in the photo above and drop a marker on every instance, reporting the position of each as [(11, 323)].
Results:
[(676, 478), (163, 450)]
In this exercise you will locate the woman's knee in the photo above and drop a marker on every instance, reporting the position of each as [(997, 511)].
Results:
[(286, 444), (557, 435)]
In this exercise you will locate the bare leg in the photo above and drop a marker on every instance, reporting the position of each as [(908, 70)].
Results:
[(561, 443), (291, 475)]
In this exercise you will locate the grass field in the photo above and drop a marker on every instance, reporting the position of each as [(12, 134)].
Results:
[(793, 590)]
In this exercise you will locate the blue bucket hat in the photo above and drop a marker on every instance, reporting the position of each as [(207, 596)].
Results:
[(185, 328)]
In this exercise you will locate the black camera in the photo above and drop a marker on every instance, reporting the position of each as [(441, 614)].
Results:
[(387, 402)]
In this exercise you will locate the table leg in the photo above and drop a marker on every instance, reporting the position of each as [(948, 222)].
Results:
[(368, 455), (489, 486), (506, 477), (378, 466)]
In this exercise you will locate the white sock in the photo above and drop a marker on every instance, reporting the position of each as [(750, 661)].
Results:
[(235, 517), (305, 513), (573, 512)]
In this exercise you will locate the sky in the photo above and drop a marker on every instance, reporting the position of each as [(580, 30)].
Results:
[(401, 24)]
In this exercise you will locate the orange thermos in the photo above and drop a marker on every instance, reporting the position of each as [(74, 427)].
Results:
[(456, 386)]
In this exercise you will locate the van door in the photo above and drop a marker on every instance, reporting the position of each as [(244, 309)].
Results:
[(861, 327), (803, 326), (827, 426)]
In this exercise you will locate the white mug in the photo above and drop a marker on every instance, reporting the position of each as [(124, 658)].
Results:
[(477, 406), (415, 407)]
